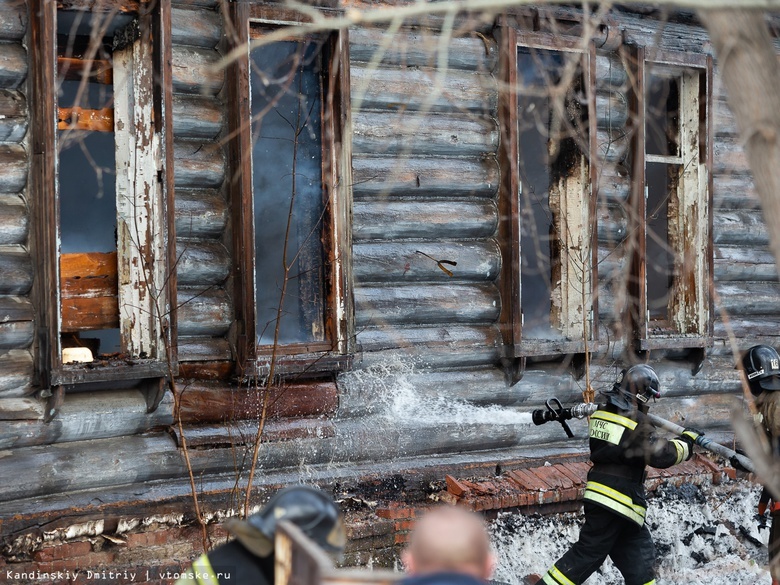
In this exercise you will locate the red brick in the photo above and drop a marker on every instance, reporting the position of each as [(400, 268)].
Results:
[(572, 473), (527, 480), (404, 525), (455, 487), (448, 498), (402, 538), (63, 551), (551, 477), (570, 494), (395, 513)]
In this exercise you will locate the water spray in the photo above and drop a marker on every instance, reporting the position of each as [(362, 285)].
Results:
[(556, 412)]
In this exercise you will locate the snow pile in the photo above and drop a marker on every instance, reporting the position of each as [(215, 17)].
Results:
[(703, 536)]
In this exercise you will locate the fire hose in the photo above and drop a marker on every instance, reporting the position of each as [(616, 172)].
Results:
[(556, 412)]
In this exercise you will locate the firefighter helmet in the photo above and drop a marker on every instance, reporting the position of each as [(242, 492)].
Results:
[(636, 385), (311, 510), (761, 364)]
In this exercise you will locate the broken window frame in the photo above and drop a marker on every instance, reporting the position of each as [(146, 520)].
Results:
[(510, 226), (145, 256), (335, 352), (689, 322)]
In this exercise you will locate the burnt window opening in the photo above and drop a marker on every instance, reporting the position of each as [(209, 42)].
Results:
[(676, 249), (287, 182), (103, 293), (291, 194), (86, 177), (554, 190)]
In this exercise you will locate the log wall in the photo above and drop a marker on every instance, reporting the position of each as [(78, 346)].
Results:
[(16, 264), (426, 379), (205, 308)]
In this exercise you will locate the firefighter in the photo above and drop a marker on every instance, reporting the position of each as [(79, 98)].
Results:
[(250, 557), (622, 443), (761, 366)]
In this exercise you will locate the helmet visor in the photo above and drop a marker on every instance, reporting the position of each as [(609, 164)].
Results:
[(770, 382)]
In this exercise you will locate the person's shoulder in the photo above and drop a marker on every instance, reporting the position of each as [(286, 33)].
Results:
[(441, 579)]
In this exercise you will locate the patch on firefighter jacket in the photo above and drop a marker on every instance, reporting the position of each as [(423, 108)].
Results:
[(606, 431)]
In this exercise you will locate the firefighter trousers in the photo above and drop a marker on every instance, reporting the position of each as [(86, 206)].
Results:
[(606, 534)]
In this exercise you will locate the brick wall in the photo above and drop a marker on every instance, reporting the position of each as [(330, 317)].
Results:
[(155, 553)]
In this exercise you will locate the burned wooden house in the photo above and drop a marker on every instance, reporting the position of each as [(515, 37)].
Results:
[(356, 245)]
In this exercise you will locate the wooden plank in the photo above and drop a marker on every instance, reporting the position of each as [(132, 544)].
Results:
[(200, 213), (747, 298), (740, 228), (244, 432), (13, 20), (428, 134), (13, 115), (16, 323), (14, 220), (204, 311), (198, 165), (398, 90), (163, 123), (91, 274), (195, 71), (409, 48), (195, 27), (202, 262), (15, 165), (100, 120), (43, 184), (204, 349), (419, 261), (423, 177), (13, 66), (197, 117), (88, 285), (93, 70), (89, 313), (16, 373), (393, 219), (83, 416), (17, 270), (109, 6), (215, 402), (426, 303), (140, 200), (239, 188)]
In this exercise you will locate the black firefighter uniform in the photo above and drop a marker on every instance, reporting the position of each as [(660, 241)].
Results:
[(622, 444)]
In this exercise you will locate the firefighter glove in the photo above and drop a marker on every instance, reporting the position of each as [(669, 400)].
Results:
[(688, 444), (692, 433)]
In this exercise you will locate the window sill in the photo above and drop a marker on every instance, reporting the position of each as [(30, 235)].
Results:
[(314, 364), (108, 371), (673, 341), (533, 347)]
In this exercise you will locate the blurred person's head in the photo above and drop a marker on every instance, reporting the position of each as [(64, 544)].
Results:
[(449, 539)]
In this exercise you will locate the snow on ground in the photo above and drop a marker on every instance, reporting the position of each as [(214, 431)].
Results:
[(703, 536)]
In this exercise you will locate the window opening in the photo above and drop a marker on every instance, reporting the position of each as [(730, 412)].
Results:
[(287, 180), (552, 135), (87, 193)]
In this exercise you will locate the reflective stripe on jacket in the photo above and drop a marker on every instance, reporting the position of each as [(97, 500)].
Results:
[(199, 573), (622, 444)]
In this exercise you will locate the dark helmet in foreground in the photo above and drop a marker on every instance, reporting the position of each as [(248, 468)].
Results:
[(761, 364), (311, 510), (636, 385)]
